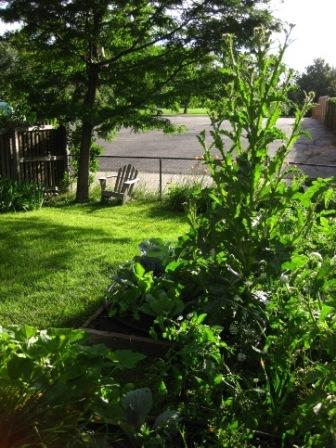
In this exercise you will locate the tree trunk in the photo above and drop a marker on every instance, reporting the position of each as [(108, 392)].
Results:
[(82, 193), (186, 105)]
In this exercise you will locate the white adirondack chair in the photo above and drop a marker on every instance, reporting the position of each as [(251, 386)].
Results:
[(124, 184)]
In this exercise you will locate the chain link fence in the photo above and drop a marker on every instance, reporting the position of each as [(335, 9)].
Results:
[(157, 173)]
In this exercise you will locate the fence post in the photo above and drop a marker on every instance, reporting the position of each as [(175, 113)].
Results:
[(160, 178), (16, 159)]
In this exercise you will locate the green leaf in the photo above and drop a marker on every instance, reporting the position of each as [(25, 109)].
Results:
[(20, 367), (139, 270), (325, 311), (126, 359), (29, 331), (167, 418), (200, 319), (297, 261), (173, 265), (137, 404), (218, 379), (162, 388)]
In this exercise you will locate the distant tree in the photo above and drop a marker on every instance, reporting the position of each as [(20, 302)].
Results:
[(319, 77), (193, 85), (103, 64), (8, 68)]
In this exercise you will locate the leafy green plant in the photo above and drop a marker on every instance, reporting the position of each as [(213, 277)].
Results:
[(137, 290), (180, 196), (20, 195), (53, 386), (253, 348), (137, 404), (140, 285), (250, 195)]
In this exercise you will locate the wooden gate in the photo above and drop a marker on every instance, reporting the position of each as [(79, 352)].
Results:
[(36, 154)]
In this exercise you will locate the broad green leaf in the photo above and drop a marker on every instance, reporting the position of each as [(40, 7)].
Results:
[(167, 418), (137, 404), (297, 261), (126, 359), (139, 270)]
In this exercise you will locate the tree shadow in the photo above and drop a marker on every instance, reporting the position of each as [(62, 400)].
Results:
[(57, 235), (98, 205), (36, 251), (93, 205), (158, 211)]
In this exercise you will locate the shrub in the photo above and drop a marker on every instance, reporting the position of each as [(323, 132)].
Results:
[(19, 195), (181, 196)]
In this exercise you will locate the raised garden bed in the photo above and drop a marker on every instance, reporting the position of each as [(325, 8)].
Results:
[(122, 334)]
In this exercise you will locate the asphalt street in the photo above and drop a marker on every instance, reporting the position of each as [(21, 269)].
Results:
[(319, 149)]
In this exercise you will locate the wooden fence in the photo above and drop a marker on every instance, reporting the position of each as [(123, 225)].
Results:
[(325, 111), (36, 154), (319, 111), (330, 117)]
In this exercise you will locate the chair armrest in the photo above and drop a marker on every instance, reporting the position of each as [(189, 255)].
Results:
[(131, 182), (106, 177)]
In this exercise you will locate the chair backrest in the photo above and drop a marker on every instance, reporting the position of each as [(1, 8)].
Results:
[(127, 172)]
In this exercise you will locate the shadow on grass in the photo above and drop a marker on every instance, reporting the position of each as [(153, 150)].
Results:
[(18, 236), (37, 254), (78, 319), (88, 207), (159, 211), (95, 206)]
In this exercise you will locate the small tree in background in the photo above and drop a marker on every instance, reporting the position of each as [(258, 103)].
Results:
[(319, 77)]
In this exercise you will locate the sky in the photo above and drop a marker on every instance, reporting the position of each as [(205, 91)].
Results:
[(314, 34)]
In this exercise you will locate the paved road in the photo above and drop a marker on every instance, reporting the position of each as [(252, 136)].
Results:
[(320, 149)]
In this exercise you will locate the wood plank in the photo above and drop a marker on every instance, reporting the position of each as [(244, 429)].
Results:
[(131, 182), (136, 179), (124, 187), (94, 316), (41, 158), (16, 154), (123, 341), (119, 178)]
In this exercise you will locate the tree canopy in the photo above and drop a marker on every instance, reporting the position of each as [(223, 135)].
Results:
[(102, 64), (320, 78)]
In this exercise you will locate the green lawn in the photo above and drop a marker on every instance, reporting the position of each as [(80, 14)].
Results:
[(191, 111), (56, 263)]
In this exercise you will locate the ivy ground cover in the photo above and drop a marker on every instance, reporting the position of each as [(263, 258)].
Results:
[(55, 263)]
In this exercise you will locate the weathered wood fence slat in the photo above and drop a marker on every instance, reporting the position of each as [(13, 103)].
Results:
[(325, 111), (330, 118), (35, 154)]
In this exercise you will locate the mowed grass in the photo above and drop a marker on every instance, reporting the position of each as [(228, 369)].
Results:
[(56, 263), (191, 111)]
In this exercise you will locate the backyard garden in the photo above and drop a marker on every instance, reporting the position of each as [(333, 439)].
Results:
[(236, 294)]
